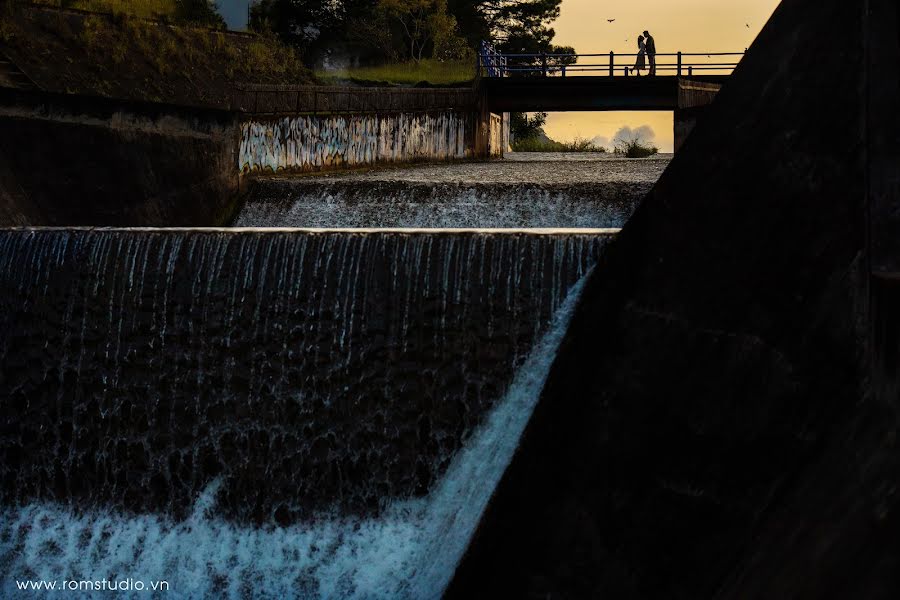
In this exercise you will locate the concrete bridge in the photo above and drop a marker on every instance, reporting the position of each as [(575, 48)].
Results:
[(590, 93), (594, 82)]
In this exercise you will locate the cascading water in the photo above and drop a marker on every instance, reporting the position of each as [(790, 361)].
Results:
[(185, 404), (365, 203), (409, 550), (307, 370)]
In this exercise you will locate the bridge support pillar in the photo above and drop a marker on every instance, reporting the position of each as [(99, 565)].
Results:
[(491, 130), (693, 99), (685, 119)]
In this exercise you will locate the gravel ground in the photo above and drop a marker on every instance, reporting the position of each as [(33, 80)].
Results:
[(520, 167)]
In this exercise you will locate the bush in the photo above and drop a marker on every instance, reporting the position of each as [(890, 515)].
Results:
[(523, 127), (536, 144), (634, 148)]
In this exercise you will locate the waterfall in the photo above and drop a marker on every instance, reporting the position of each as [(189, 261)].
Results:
[(409, 550), (306, 371), (364, 203)]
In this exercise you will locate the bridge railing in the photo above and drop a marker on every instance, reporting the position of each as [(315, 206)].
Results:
[(683, 64), (490, 62)]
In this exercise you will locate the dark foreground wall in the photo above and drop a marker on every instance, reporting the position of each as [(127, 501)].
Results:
[(308, 371), (711, 427), (75, 160)]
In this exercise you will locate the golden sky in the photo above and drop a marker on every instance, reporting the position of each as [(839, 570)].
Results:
[(676, 25)]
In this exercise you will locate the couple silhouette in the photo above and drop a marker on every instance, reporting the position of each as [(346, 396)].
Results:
[(646, 50)]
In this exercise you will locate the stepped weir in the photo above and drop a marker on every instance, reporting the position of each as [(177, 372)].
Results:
[(283, 344), (342, 400), (231, 364)]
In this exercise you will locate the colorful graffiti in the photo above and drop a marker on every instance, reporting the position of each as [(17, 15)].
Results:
[(313, 142)]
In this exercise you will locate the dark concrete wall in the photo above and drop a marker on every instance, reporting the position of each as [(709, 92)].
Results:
[(305, 142), (883, 133), (710, 427), (76, 160), (883, 150)]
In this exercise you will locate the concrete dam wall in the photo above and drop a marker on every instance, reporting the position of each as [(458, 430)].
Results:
[(123, 163), (71, 160), (317, 142)]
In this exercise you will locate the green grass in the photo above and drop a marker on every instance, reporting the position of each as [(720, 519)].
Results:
[(538, 145), (408, 73), (126, 56), (179, 50)]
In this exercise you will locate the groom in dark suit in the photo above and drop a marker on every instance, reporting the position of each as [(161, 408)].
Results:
[(651, 51)]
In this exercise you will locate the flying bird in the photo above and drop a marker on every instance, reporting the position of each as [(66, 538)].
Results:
[(610, 20), (748, 25)]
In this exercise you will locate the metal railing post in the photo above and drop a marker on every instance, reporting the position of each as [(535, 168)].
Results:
[(612, 63), (691, 71), (544, 63), (679, 63)]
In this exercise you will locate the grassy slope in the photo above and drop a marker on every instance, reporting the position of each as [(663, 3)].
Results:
[(147, 9), (408, 73), (123, 56)]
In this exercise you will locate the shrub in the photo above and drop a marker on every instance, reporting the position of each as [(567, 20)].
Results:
[(634, 148), (536, 144)]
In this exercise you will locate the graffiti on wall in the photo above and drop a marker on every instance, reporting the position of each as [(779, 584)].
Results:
[(311, 142)]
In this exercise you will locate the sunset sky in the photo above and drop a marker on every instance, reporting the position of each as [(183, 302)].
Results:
[(676, 25)]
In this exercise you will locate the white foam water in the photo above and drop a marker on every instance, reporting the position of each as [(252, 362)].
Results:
[(410, 550), (394, 204)]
